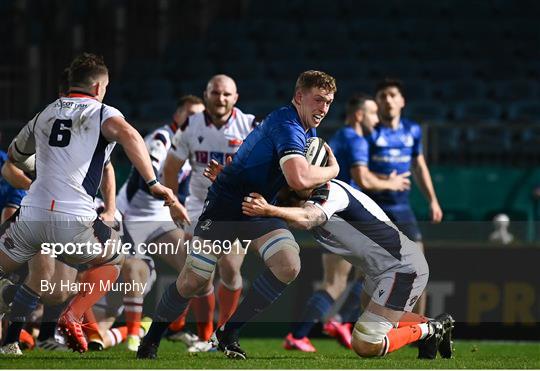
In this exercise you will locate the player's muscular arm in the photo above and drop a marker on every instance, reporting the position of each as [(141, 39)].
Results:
[(301, 175), (116, 129), (171, 168), (7, 212), (15, 176), (423, 179), (108, 192), (305, 217), (369, 181)]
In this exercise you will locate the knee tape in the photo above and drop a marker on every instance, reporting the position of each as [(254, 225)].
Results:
[(202, 264), (281, 241), (371, 328)]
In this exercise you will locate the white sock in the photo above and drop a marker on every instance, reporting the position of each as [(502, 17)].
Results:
[(426, 330)]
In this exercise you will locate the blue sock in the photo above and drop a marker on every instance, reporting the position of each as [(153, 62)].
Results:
[(264, 291), (350, 310), (171, 305), (24, 303), (317, 306)]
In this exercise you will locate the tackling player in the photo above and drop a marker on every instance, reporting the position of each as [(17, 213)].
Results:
[(270, 157), (348, 223)]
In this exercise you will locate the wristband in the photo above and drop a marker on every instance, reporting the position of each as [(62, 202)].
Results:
[(152, 182)]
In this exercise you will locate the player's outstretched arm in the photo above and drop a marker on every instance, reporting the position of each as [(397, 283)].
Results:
[(171, 168), (117, 129), (301, 175), (305, 217)]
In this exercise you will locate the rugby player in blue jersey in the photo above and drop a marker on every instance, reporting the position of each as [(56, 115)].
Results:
[(395, 146), (271, 157)]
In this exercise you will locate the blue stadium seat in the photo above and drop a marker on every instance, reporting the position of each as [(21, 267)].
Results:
[(447, 70), (427, 110), (236, 50), (525, 111), (514, 90), (273, 30), (122, 104), (157, 110), (478, 111), (284, 50), (372, 30), (259, 108), (189, 69), (418, 90), (460, 90), (141, 68), (244, 69), (254, 89)]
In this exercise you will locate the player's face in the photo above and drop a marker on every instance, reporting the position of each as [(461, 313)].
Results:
[(313, 105), (370, 117), (220, 97), (390, 102)]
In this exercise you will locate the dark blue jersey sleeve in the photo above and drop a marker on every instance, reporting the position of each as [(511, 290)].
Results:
[(289, 140), (416, 132), (359, 151)]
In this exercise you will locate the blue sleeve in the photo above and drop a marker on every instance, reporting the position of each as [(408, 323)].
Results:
[(359, 151), (416, 132), (289, 139), (15, 197)]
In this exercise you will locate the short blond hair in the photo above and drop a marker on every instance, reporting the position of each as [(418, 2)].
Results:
[(315, 79)]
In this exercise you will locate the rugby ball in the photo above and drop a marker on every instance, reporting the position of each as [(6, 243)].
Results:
[(315, 152), (28, 165)]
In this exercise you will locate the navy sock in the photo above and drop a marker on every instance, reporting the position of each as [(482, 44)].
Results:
[(8, 293), (171, 305), (264, 291), (317, 306), (49, 320), (24, 303), (350, 310)]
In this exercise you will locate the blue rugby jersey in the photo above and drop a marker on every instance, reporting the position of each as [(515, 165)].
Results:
[(256, 165), (390, 150), (350, 150), (9, 196)]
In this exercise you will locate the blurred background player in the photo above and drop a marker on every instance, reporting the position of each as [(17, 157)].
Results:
[(145, 218), (214, 134), (395, 147)]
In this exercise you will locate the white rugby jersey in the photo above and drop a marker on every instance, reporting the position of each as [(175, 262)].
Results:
[(199, 141), (360, 231), (134, 199), (70, 153)]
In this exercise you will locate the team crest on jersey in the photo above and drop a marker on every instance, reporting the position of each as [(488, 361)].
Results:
[(200, 139), (407, 140)]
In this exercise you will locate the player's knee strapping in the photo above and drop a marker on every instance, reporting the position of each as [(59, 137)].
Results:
[(202, 264), (281, 241), (371, 328)]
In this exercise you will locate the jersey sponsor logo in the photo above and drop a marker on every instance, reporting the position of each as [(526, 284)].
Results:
[(381, 142), (235, 142), (381, 292), (392, 159), (201, 157), (204, 157)]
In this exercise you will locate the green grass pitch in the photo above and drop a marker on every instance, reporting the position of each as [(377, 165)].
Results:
[(267, 353)]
